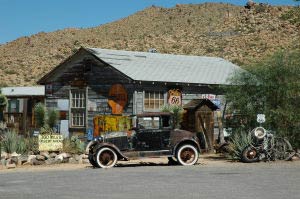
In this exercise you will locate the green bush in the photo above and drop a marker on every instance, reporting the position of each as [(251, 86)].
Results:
[(40, 114), (9, 143), (269, 87), (73, 145), (177, 113)]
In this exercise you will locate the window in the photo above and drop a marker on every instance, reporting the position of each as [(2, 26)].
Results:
[(153, 100), (78, 108), (148, 122), (13, 106)]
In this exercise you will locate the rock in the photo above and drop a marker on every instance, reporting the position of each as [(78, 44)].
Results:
[(4, 155), (80, 161), (85, 161), (31, 157), (65, 155), (84, 156), (14, 159), (3, 162), (45, 154), (23, 159), (73, 161), (53, 155), (50, 161), (14, 154), (40, 157), (59, 157), (77, 157), (11, 166), (37, 162)]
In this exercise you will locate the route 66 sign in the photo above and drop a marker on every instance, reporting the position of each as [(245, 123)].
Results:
[(261, 118), (174, 97)]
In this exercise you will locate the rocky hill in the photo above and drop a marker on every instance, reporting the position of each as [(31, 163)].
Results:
[(233, 32)]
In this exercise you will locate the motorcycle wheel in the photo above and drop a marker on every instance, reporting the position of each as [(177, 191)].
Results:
[(250, 155)]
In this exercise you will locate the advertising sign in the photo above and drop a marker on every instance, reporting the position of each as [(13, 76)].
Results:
[(50, 142)]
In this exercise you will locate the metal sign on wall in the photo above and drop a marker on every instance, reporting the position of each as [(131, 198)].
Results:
[(175, 97), (49, 142), (117, 98)]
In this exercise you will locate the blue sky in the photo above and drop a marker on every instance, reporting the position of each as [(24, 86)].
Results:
[(26, 17)]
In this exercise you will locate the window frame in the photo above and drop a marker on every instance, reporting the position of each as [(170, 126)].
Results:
[(156, 97), (78, 108)]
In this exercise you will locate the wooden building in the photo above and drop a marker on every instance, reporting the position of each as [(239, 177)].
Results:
[(19, 113), (199, 117), (97, 81)]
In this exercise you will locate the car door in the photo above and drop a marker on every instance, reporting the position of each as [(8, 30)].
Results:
[(149, 134)]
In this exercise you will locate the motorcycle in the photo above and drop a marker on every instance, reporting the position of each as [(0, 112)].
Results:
[(266, 146)]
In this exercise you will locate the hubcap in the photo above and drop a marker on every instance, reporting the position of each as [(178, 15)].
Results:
[(106, 158), (251, 154), (187, 155)]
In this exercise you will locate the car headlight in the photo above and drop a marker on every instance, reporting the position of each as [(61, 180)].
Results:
[(260, 132), (98, 139)]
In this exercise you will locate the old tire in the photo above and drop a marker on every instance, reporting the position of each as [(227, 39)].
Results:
[(250, 155), (106, 158), (187, 155), (92, 160)]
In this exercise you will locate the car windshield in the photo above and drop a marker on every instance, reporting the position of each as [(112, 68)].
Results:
[(148, 122)]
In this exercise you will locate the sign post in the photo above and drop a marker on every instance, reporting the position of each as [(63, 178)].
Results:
[(49, 142)]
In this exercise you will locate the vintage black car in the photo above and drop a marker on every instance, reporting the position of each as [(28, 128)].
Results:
[(153, 136)]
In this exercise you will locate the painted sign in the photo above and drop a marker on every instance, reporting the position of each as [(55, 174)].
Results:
[(208, 96), (175, 97), (117, 98), (50, 142)]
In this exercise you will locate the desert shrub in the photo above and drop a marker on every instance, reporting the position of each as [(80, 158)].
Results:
[(237, 143), (52, 117), (32, 144), (40, 114), (73, 145), (177, 113), (9, 143)]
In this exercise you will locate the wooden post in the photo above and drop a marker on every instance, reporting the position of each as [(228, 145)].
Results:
[(220, 125)]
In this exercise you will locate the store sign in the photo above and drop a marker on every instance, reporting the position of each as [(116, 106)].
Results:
[(208, 96), (50, 142), (175, 97)]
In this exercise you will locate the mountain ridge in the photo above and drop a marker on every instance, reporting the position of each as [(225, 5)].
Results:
[(232, 32)]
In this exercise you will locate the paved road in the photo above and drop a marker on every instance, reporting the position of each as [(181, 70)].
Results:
[(231, 180)]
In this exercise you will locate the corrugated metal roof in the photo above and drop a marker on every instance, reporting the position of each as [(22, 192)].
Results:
[(23, 91), (144, 66)]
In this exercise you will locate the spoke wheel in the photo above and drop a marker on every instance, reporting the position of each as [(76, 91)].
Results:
[(250, 155), (187, 155), (106, 158)]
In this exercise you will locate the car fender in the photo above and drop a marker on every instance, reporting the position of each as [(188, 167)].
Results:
[(114, 147), (89, 145), (187, 141)]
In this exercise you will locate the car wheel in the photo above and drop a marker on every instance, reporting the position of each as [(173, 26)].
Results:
[(92, 160), (106, 158), (249, 155), (187, 155)]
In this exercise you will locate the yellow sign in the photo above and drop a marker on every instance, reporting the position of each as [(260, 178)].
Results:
[(174, 97), (50, 142)]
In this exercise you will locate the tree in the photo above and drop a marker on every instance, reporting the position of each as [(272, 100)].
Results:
[(270, 87)]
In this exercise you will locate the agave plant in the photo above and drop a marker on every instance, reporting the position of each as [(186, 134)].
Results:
[(238, 141)]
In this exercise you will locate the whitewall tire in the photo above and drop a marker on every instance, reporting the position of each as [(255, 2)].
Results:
[(187, 155), (106, 157)]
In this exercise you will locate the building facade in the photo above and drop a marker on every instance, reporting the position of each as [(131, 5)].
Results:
[(97, 81)]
